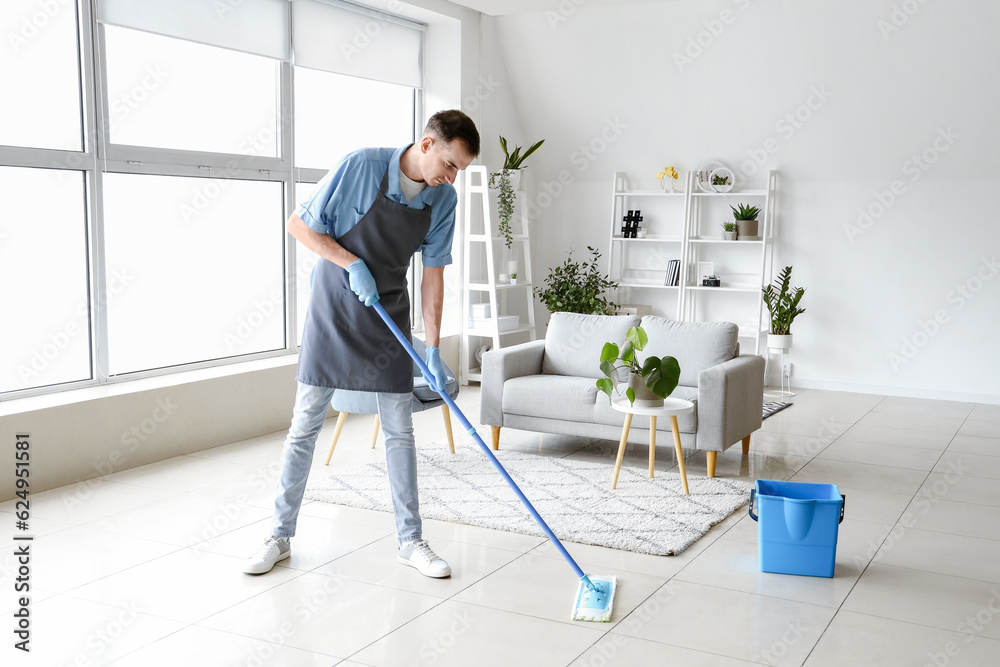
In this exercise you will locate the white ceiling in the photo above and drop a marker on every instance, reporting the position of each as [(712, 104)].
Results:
[(501, 7)]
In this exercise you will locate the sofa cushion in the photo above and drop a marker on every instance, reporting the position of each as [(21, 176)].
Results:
[(551, 397), (687, 423), (695, 345), (573, 342)]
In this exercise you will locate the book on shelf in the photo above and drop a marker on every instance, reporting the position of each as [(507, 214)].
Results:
[(673, 273)]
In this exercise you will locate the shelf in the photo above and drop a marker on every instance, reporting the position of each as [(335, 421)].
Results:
[(653, 238), (739, 193), (487, 333), (709, 239), (485, 287), (651, 285), (475, 374), (725, 288), (647, 193)]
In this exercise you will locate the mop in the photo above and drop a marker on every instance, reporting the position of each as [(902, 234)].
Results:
[(595, 595)]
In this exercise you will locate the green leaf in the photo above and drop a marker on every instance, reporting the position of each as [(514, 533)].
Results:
[(628, 354), (630, 393), (637, 337), (607, 368), (610, 352), (667, 375), (606, 385)]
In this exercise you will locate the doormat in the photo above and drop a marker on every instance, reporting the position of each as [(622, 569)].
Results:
[(649, 516)]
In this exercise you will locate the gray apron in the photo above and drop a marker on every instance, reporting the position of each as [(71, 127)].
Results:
[(345, 344)]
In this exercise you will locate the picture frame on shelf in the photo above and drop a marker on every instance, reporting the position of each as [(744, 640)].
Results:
[(705, 269)]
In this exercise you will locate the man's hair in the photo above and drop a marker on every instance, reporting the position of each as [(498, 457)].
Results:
[(453, 124)]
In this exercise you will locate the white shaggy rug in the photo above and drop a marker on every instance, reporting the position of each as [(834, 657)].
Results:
[(649, 516)]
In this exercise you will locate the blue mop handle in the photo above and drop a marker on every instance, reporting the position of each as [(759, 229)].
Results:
[(482, 445)]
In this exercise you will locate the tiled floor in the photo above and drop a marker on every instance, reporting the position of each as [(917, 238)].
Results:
[(142, 567)]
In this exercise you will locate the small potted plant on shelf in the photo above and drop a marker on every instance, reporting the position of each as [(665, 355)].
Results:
[(651, 381), (729, 231), (782, 304), (667, 178), (513, 279), (577, 287), (746, 221), (507, 181)]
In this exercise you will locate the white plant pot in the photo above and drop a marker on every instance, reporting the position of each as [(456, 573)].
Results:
[(644, 397), (513, 281), (515, 179), (775, 342)]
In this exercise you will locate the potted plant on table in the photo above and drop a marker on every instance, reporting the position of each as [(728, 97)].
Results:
[(651, 381), (746, 220), (782, 303), (577, 287), (729, 231)]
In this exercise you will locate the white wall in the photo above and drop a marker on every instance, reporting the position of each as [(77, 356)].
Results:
[(881, 93)]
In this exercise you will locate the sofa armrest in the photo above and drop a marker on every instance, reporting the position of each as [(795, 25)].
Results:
[(500, 366), (730, 402)]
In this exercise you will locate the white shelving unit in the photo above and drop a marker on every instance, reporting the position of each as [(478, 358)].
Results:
[(743, 265), (482, 245)]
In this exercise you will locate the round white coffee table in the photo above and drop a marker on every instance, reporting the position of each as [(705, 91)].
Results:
[(671, 408)]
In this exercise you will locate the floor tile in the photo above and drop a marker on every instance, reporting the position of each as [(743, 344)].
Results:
[(88, 501), (787, 443), (317, 541), (912, 421), (903, 437), (859, 639), (739, 625), (893, 456), (377, 563), (201, 647), (69, 558), (981, 427), (974, 444), (255, 452), (365, 517), (955, 518), (179, 474), (954, 555), (985, 412), (456, 634), (615, 650), (924, 406), (967, 489), (68, 631), (962, 464), (734, 464), (546, 588), (181, 521), (456, 532), (926, 598), (734, 564), (864, 476), (786, 422), (327, 615), (175, 585)]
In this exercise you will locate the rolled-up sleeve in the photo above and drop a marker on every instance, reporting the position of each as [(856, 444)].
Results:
[(436, 247), (320, 213)]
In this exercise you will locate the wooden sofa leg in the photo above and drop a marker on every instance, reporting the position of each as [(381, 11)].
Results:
[(496, 437), (341, 419), (378, 424), (711, 457), (746, 444), (447, 427)]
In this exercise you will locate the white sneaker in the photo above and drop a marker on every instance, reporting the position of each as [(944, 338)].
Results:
[(269, 553), (419, 555)]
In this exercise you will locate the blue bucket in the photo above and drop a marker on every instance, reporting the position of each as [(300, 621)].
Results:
[(797, 526)]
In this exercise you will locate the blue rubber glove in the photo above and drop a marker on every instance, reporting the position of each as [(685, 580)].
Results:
[(362, 282), (433, 360)]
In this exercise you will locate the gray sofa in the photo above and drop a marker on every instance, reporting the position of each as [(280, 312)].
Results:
[(550, 385)]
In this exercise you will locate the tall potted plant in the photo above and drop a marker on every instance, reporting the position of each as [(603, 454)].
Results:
[(506, 182), (652, 380), (746, 220), (783, 305), (577, 287)]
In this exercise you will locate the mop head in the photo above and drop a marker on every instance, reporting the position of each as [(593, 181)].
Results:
[(595, 605)]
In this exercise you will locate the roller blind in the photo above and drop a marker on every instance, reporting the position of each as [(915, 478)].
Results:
[(348, 39), (254, 26)]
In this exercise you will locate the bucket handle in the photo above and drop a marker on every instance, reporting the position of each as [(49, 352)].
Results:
[(752, 507)]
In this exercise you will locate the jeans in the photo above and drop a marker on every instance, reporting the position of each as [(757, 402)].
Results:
[(311, 404)]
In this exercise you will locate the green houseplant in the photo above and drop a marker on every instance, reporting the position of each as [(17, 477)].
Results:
[(503, 182), (729, 231), (782, 303), (577, 287), (746, 220), (652, 380)]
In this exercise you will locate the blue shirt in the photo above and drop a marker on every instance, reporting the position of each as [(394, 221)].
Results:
[(346, 193)]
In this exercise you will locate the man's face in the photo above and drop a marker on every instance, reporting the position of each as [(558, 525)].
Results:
[(441, 161)]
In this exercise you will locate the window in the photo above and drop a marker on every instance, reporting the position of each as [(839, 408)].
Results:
[(197, 282), (169, 93), (43, 273)]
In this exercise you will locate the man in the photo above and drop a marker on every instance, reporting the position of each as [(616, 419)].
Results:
[(366, 220)]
